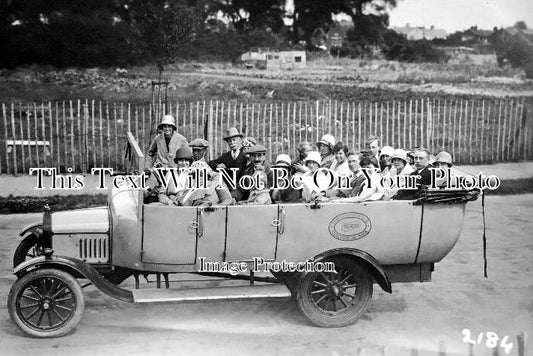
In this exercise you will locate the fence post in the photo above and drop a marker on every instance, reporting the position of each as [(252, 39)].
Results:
[(210, 132), (85, 163)]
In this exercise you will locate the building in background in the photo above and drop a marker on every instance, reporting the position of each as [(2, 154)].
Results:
[(419, 33), (264, 58)]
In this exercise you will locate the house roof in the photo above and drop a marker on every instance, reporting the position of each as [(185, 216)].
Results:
[(422, 32)]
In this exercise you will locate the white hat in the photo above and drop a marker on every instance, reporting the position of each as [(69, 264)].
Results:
[(400, 154), (313, 156), (167, 120), (386, 150), (282, 160), (327, 140), (444, 157)]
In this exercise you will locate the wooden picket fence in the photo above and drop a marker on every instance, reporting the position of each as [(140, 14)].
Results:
[(83, 134)]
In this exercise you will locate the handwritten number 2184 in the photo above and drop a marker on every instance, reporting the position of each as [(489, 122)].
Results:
[(491, 340)]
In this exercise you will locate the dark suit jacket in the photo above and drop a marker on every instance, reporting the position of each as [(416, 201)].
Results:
[(226, 158), (408, 194)]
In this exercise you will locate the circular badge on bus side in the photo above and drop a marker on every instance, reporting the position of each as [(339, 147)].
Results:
[(350, 226)]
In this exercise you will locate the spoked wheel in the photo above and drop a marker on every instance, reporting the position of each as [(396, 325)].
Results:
[(336, 299), (27, 249), (46, 303)]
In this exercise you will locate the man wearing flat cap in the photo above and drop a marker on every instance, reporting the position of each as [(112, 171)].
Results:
[(164, 146), (257, 166), (234, 158)]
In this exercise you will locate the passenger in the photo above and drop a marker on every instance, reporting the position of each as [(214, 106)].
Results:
[(161, 153), (325, 147), (199, 148), (204, 181), (357, 177), (370, 188), (234, 158), (399, 167), (373, 148), (385, 163), (298, 164), (257, 163), (310, 191), (340, 166), (421, 159), (259, 195), (165, 145), (400, 163), (286, 194), (174, 193), (444, 162)]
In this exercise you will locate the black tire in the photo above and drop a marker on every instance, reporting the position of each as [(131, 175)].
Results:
[(46, 303), (26, 249), (332, 300)]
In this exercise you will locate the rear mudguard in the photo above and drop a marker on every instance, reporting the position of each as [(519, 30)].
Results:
[(368, 261), (78, 269)]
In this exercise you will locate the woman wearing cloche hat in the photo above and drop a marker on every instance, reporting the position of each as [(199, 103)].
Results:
[(164, 146)]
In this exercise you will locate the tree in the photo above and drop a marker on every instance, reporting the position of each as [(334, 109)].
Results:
[(162, 27), (521, 25), (248, 15), (368, 28)]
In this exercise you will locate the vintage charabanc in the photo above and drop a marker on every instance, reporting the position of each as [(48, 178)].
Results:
[(106, 245)]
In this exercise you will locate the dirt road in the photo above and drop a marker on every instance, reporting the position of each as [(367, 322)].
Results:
[(427, 316)]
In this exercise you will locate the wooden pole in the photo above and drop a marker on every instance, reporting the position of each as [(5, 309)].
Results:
[(108, 138), (216, 130), (51, 132), (299, 123), (521, 138), (293, 141), (417, 143), (43, 133), (492, 130), (470, 155), (28, 127), (4, 116), (210, 131), (482, 140), (58, 157), (263, 124), (381, 121), (15, 163), (65, 147), (477, 156), (376, 118), (35, 131), (72, 155), (80, 136), (404, 136), (359, 126), (429, 125), (410, 123), (100, 126), (454, 128), (498, 131), (392, 140), (270, 134), (423, 141), (352, 146), (117, 159), (444, 125)]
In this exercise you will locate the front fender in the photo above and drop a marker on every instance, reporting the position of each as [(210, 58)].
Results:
[(78, 269), (31, 227), (368, 260)]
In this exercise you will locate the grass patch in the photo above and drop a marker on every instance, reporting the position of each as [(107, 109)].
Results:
[(27, 204)]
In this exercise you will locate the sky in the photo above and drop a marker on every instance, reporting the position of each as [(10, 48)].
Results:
[(453, 15)]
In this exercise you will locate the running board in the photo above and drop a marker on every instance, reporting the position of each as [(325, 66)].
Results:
[(214, 293)]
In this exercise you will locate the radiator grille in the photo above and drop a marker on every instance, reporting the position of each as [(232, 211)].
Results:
[(94, 249)]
